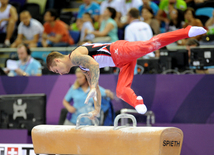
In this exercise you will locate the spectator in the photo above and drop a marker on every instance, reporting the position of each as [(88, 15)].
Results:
[(148, 17), (91, 7), (166, 5), (190, 19), (210, 22), (110, 3), (176, 20), (8, 18), (87, 24), (125, 6), (55, 31), (149, 4), (26, 65), (137, 30), (108, 26), (198, 1), (29, 31), (189, 44), (192, 43), (78, 93)]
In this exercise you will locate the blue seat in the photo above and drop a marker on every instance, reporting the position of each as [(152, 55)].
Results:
[(39, 54), (75, 35), (206, 11)]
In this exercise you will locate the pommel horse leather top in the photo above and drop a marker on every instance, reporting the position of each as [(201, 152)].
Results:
[(107, 140)]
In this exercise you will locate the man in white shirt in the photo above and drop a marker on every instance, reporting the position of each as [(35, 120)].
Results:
[(137, 30), (29, 31)]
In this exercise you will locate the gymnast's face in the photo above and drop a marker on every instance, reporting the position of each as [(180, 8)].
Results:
[(59, 67)]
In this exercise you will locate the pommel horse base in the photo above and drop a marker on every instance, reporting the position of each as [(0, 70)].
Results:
[(107, 140)]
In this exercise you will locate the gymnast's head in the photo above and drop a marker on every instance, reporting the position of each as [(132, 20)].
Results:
[(58, 63)]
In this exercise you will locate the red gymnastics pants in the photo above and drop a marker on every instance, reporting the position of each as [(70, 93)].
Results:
[(125, 55)]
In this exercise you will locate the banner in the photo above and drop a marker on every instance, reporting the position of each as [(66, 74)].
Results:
[(17, 149)]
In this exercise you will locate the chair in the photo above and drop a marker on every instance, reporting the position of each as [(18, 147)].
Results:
[(203, 19), (17, 5), (75, 35), (206, 11), (66, 17), (21, 2), (40, 60), (41, 3), (41, 55)]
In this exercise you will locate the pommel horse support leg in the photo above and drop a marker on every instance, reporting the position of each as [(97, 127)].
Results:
[(107, 140)]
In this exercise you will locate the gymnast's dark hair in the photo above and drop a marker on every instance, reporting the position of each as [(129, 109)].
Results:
[(113, 12)]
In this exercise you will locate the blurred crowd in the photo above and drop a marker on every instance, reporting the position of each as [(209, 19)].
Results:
[(96, 20)]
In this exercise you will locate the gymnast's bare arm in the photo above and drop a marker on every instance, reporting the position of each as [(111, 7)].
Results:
[(97, 101), (80, 57)]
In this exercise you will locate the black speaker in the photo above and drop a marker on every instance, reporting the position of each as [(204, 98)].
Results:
[(22, 111)]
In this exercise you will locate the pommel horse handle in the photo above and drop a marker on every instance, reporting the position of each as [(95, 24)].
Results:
[(124, 116), (95, 121)]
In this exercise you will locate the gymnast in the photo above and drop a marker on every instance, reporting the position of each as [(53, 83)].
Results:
[(122, 54)]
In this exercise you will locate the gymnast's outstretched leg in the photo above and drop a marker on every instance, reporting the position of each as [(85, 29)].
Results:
[(125, 54), (126, 51)]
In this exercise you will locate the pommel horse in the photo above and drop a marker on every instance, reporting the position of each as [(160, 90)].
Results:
[(107, 140)]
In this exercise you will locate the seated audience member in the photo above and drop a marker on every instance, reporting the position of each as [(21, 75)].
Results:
[(26, 65), (176, 20), (149, 4), (78, 93), (148, 18), (91, 7), (125, 6), (108, 26), (210, 22), (189, 44), (87, 24), (192, 43), (29, 31), (110, 3), (189, 17), (55, 31), (166, 5), (198, 1), (137, 30), (8, 18)]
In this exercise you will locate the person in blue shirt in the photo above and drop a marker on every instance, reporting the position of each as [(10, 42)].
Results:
[(152, 5), (90, 7), (78, 93), (27, 65)]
